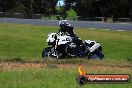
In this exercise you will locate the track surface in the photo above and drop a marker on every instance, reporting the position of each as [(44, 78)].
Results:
[(84, 24)]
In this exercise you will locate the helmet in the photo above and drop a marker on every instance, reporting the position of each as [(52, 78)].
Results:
[(63, 23)]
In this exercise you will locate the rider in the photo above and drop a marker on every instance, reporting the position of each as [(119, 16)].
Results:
[(66, 27)]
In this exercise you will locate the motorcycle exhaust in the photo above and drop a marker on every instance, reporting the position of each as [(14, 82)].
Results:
[(94, 47)]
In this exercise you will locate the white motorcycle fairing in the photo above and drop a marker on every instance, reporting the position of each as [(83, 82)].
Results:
[(64, 39), (51, 37)]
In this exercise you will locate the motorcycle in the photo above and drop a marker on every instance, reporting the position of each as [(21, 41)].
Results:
[(62, 46)]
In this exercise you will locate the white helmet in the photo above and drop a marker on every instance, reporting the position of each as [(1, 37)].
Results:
[(63, 23)]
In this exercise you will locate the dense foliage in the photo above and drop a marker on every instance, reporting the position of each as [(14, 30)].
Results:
[(84, 8)]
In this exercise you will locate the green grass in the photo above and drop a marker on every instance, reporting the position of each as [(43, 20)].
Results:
[(27, 41), (21, 42), (117, 45), (53, 78)]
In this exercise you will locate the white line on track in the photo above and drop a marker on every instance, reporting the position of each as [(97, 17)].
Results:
[(120, 30)]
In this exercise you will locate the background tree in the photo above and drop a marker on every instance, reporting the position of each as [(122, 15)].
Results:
[(107, 8), (46, 7), (6, 5), (83, 8)]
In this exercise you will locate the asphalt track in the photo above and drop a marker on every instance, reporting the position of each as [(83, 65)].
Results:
[(84, 24)]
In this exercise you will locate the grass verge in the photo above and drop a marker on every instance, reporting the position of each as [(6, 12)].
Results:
[(23, 43), (27, 41), (55, 77)]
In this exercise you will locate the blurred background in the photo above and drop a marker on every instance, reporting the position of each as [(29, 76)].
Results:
[(85, 10)]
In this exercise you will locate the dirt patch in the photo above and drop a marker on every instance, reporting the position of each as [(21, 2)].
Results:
[(25, 65), (19, 65)]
